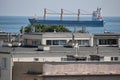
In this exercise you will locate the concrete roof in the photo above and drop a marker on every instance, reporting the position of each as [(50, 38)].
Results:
[(61, 51), (4, 50), (81, 68), (40, 35), (107, 34), (57, 35), (66, 35), (32, 36)]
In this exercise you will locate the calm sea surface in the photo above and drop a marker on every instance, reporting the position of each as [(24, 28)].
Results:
[(14, 23)]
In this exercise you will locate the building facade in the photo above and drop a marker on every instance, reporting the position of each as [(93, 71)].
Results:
[(60, 39), (19, 63), (8, 39), (107, 39), (5, 66), (66, 71), (62, 63), (56, 38)]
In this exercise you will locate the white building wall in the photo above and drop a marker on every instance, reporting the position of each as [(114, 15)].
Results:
[(6, 72), (119, 42), (45, 39), (107, 58), (39, 59), (91, 41), (1, 42), (67, 39)]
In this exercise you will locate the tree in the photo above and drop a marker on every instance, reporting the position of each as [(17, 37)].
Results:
[(26, 29), (58, 28), (81, 31), (46, 28), (63, 29)]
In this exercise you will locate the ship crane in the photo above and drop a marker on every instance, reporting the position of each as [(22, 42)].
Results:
[(51, 12)]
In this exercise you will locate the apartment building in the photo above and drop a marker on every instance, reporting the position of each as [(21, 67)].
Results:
[(61, 39), (57, 39), (59, 62), (5, 66), (107, 39), (24, 63), (66, 71)]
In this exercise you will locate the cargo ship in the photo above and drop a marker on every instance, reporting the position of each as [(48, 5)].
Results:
[(96, 21)]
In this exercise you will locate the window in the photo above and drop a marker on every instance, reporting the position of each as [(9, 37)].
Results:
[(34, 43), (108, 41), (4, 63), (56, 42), (36, 59), (62, 42), (114, 58), (25, 41), (49, 42), (83, 42)]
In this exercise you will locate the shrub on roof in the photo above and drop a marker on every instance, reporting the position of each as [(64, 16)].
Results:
[(45, 28)]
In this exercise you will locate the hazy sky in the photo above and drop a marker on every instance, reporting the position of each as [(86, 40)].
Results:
[(31, 7)]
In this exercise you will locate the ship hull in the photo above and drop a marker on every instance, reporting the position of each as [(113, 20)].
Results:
[(68, 22)]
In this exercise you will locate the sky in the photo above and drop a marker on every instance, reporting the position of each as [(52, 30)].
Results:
[(31, 7)]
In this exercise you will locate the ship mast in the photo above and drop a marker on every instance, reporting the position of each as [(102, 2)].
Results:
[(78, 14), (61, 17), (63, 13), (45, 12)]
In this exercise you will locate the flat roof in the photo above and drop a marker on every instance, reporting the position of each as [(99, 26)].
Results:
[(107, 34), (57, 35), (57, 51)]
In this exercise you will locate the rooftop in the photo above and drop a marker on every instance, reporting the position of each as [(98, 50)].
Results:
[(62, 51), (57, 35), (82, 68)]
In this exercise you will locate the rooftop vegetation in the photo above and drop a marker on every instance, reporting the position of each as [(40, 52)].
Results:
[(46, 28)]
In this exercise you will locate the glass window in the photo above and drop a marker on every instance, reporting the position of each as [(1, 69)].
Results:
[(114, 58), (86, 42), (62, 42), (4, 63), (25, 41), (49, 42), (83, 42), (55, 42), (79, 42), (34, 43), (36, 59), (107, 41)]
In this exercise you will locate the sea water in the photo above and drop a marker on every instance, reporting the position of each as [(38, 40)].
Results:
[(13, 24)]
